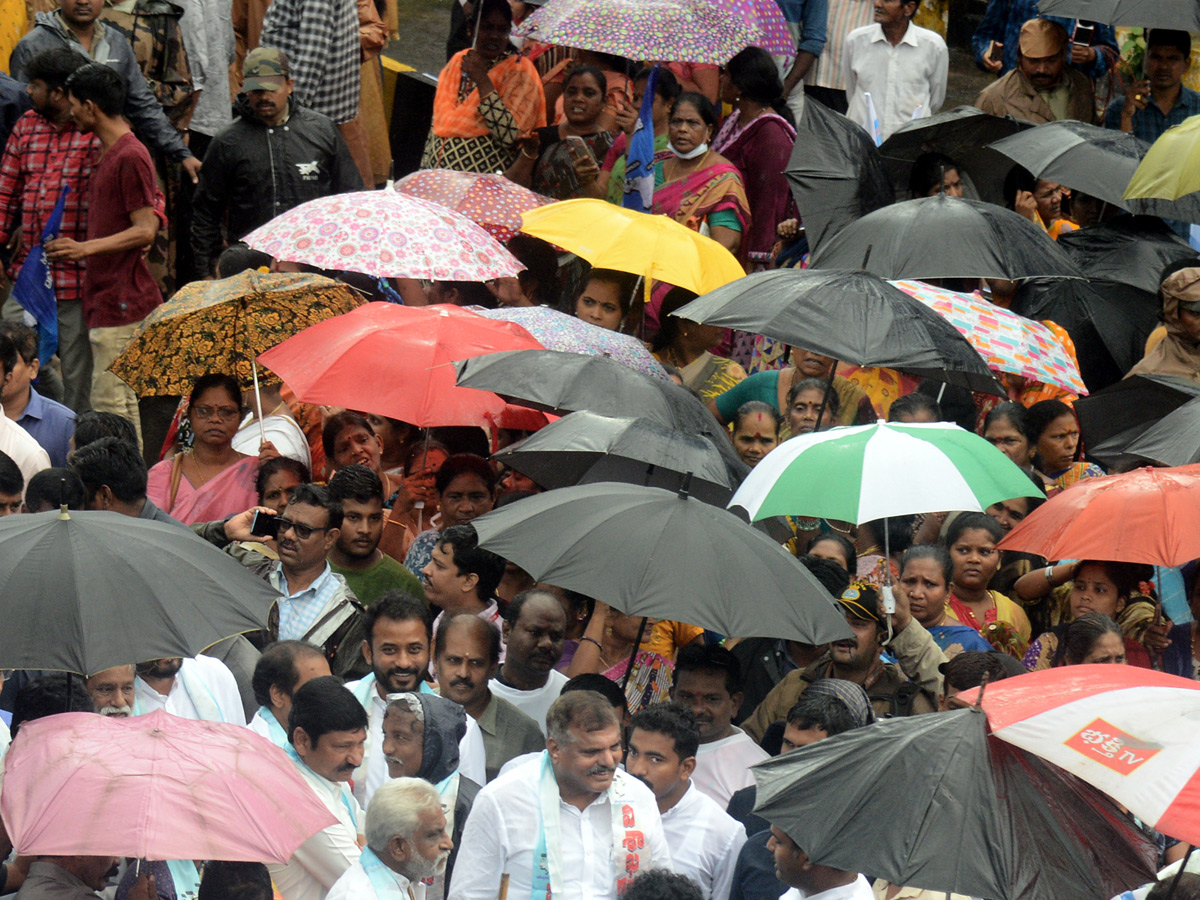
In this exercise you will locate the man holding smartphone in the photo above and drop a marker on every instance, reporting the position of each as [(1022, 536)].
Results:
[(1042, 88), (1158, 100), (995, 40)]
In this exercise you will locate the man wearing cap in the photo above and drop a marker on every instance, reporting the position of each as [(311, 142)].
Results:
[(1178, 351), (275, 156), (1041, 88), (857, 659)]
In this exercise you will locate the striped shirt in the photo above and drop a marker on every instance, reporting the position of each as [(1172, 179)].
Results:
[(844, 17), (320, 38), (299, 612)]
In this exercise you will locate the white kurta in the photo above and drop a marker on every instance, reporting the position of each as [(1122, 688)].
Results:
[(355, 884), (534, 704), (859, 889), (504, 828), (320, 861), (472, 758), (723, 767), (220, 686), (704, 841), (27, 453)]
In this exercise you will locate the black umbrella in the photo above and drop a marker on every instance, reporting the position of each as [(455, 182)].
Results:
[(1133, 250), (87, 591), (1182, 15), (935, 802), (650, 552), (584, 447), (835, 173), (1097, 161), (1108, 321), (962, 134), (941, 237), (851, 316), (1145, 418)]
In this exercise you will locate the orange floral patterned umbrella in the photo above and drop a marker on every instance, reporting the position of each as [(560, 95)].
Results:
[(220, 326)]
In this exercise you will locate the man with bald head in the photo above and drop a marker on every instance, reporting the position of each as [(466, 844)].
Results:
[(534, 631), (466, 656)]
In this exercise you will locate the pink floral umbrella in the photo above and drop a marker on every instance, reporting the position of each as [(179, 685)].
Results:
[(490, 201), (154, 787), (385, 234)]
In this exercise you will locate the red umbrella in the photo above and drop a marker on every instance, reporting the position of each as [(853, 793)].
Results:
[(396, 361), (1145, 516), (490, 201)]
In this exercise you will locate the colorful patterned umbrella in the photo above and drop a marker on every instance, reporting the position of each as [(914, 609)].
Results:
[(220, 326), (697, 31), (558, 331), (385, 234), (768, 18), (1008, 342), (490, 201), (397, 361)]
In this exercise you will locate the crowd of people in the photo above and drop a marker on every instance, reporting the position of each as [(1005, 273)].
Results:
[(474, 732)]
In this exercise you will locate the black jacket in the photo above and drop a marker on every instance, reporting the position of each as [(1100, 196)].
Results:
[(254, 173)]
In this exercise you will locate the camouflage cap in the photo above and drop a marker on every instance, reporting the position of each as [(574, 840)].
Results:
[(265, 69)]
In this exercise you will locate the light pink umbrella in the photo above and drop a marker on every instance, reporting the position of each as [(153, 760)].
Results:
[(385, 234), (154, 787)]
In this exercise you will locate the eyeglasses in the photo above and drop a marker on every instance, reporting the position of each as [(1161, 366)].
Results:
[(304, 532), (224, 413)]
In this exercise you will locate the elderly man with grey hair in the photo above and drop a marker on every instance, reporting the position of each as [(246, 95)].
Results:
[(406, 844), (569, 823)]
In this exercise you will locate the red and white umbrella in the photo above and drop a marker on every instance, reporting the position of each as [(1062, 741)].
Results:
[(1128, 731)]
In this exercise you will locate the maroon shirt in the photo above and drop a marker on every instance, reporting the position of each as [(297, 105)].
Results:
[(118, 287)]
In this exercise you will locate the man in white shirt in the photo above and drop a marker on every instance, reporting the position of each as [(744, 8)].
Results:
[(396, 647), (326, 732), (198, 688), (901, 65), (534, 629), (407, 844), (704, 840), (283, 668), (569, 824), (22, 449), (706, 682), (808, 881)]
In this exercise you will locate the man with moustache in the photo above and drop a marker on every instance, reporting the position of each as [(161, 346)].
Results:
[(275, 156), (396, 647), (327, 729), (466, 654), (113, 691), (78, 878), (407, 844), (1042, 88), (534, 629), (569, 823), (199, 688)]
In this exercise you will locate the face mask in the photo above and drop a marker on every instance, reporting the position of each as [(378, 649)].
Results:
[(700, 150)]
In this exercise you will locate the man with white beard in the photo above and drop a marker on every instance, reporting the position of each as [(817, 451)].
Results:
[(406, 844), (113, 690)]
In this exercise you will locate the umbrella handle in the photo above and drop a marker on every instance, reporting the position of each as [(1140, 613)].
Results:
[(632, 656), (825, 399), (262, 432)]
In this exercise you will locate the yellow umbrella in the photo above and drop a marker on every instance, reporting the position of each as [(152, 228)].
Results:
[(654, 247), (1171, 167)]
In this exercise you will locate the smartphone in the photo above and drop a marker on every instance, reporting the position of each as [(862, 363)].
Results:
[(995, 52), (264, 525), (1084, 32), (579, 150)]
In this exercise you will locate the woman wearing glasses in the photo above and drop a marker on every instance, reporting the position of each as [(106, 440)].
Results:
[(210, 480)]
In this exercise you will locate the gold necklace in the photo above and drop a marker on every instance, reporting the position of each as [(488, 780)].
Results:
[(198, 468)]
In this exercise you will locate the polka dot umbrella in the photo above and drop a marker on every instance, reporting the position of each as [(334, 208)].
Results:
[(385, 234), (490, 201)]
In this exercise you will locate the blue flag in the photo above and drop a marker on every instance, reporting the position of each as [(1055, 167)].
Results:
[(639, 158), (34, 287)]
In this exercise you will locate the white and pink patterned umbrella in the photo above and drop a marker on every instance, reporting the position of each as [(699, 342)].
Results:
[(385, 234), (1130, 732)]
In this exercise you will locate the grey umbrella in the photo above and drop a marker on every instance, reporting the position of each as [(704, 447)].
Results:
[(87, 591), (1144, 418), (935, 802), (942, 237), (834, 172), (851, 316), (650, 552), (586, 447), (1182, 15)]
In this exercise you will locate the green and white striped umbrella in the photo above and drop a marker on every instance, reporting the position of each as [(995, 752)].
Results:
[(874, 471)]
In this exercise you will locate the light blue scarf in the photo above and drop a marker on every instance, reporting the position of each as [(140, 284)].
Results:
[(383, 879)]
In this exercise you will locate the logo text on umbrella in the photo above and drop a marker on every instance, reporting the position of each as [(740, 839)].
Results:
[(1110, 746)]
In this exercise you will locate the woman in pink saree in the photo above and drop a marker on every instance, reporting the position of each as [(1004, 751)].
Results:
[(210, 480)]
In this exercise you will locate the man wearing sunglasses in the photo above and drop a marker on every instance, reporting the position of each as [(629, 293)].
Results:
[(316, 604)]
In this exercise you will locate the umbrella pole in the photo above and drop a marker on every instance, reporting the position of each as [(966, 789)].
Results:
[(262, 432), (1179, 874), (478, 19), (633, 656), (825, 397)]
